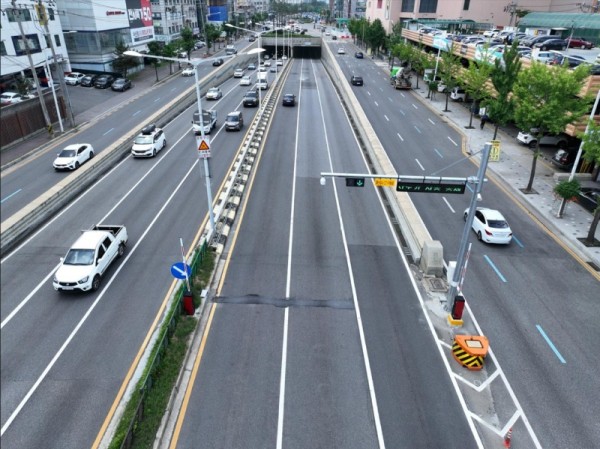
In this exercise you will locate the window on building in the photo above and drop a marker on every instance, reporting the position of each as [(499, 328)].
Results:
[(466, 5), (50, 13), (18, 15), (31, 41), (428, 6), (379, 3), (2, 49), (57, 40), (408, 5)]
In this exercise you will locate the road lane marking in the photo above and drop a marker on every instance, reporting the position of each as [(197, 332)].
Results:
[(432, 122), (455, 144), (518, 242), (136, 113), (402, 112), (108, 131), (376, 104), (556, 352), (14, 193), (502, 278), (418, 130), (398, 134), (420, 165), (438, 153), (448, 204), (386, 117), (414, 106)]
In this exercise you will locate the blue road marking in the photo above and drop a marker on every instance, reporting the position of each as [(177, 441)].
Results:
[(12, 194), (438, 153), (107, 132), (418, 130), (541, 331), (518, 242), (136, 113), (502, 278)]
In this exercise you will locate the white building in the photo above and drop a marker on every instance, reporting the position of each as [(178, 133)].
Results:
[(169, 17), (13, 55), (93, 30)]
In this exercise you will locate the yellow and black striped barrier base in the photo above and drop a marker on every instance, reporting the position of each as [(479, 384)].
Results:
[(469, 351)]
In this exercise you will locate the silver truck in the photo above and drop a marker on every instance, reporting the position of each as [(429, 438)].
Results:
[(89, 257), (209, 121)]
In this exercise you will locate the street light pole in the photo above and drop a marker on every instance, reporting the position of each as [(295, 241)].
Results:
[(460, 262), (259, 49)]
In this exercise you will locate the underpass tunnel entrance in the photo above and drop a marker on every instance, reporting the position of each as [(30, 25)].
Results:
[(296, 51)]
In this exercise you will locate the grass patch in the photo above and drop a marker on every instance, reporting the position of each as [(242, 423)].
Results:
[(169, 359)]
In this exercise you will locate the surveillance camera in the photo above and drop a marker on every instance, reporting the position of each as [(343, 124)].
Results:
[(323, 180)]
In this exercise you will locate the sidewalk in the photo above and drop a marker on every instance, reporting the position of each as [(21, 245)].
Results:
[(514, 168)]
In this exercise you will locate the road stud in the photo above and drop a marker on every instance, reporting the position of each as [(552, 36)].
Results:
[(470, 350)]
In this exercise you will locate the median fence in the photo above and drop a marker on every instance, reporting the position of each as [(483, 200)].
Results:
[(134, 412)]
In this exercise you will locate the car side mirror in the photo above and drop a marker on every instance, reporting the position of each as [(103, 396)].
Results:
[(62, 259)]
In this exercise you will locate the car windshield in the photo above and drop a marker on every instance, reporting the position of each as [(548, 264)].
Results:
[(79, 257), (67, 153), (497, 224), (142, 140), (232, 118), (213, 91)]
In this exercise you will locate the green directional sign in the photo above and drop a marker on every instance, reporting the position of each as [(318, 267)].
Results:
[(415, 186), (355, 182)]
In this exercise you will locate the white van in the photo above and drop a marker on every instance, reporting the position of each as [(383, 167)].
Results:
[(261, 76)]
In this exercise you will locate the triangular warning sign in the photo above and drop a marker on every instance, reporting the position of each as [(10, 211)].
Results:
[(203, 146)]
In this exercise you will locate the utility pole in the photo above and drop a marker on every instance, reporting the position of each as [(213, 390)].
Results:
[(43, 18), (512, 9), (19, 18)]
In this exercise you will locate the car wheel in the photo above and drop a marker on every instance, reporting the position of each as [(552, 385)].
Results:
[(153, 152), (76, 165), (544, 48), (91, 155), (465, 216), (96, 283), (164, 143), (479, 236), (533, 144), (121, 250)]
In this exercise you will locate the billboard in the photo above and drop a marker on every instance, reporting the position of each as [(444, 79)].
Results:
[(217, 14), (141, 25)]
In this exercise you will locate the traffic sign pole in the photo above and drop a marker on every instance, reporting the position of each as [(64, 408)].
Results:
[(185, 268)]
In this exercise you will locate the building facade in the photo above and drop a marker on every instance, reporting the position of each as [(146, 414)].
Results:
[(169, 17)]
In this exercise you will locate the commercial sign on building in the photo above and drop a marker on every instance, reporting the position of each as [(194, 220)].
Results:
[(141, 26)]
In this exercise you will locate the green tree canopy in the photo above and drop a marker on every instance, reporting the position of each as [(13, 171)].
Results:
[(547, 101), (123, 62), (375, 35)]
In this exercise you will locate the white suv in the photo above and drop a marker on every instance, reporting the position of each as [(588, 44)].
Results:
[(530, 139), (149, 142)]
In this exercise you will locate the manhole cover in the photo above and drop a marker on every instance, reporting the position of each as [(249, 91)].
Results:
[(436, 285)]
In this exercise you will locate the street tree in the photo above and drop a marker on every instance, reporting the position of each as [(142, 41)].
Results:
[(476, 78), (375, 35), (547, 101), (187, 41), (590, 145), (154, 48), (450, 67), (212, 34), (500, 108), (169, 51), (123, 63)]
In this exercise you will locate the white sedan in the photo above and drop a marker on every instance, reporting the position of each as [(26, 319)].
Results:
[(341, 51), (490, 226), (73, 156), (14, 97), (245, 81), (214, 93), (188, 71), (74, 78)]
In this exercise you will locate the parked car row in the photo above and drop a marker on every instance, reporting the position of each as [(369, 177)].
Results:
[(100, 81)]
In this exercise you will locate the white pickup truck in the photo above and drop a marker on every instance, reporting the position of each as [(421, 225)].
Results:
[(89, 257), (209, 121)]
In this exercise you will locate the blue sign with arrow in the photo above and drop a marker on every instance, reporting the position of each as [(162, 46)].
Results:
[(178, 270)]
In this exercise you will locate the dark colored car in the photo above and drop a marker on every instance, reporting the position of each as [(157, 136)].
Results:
[(88, 80), (251, 39), (334, 38), (358, 55), (579, 42), (551, 44), (588, 197), (565, 158), (595, 69), (104, 81), (289, 100), (217, 62), (121, 84), (356, 80), (250, 98)]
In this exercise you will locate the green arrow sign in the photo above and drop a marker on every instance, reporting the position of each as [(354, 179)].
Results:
[(355, 182)]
